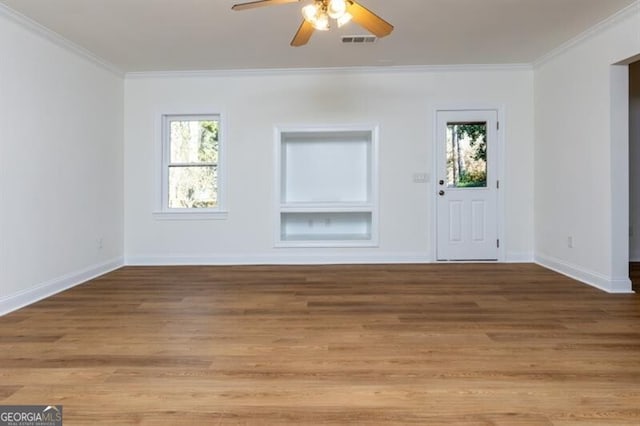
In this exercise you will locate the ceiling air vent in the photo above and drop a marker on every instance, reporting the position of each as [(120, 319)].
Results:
[(359, 39)]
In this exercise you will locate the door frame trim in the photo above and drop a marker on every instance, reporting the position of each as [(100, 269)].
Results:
[(500, 167)]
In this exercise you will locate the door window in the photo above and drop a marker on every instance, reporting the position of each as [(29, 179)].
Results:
[(467, 154)]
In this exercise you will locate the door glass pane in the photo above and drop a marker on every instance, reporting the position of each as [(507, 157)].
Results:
[(467, 155)]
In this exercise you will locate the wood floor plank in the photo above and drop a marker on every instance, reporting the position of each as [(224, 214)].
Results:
[(349, 344), (7, 391)]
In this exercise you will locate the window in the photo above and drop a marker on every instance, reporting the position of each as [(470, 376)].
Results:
[(191, 178), (467, 155)]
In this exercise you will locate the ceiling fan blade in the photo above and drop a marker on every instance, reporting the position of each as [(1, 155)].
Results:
[(368, 20), (303, 35), (260, 3)]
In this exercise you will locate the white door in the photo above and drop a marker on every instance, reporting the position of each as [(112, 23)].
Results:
[(467, 185)]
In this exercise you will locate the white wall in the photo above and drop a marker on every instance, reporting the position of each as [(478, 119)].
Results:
[(634, 156), (579, 187), (402, 103), (61, 167)]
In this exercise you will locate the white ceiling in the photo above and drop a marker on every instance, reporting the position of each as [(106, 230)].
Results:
[(164, 35)]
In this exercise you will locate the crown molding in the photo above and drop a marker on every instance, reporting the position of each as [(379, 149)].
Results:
[(329, 70), (55, 38), (622, 15)]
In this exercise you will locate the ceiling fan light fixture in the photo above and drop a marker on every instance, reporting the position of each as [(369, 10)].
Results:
[(309, 12), (321, 22), (344, 19), (336, 8), (316, 14), (320, 12)]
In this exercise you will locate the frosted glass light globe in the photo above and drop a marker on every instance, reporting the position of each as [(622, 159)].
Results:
[(336, 8)]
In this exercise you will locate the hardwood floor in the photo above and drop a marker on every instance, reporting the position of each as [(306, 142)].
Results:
[(369, 345), (634, 273)]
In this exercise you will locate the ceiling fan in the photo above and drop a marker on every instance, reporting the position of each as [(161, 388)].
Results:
[(318, 15)]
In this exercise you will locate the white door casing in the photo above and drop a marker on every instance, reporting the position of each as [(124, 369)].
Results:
[(466, 216)]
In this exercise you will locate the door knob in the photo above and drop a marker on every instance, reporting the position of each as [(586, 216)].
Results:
[(441, 193)]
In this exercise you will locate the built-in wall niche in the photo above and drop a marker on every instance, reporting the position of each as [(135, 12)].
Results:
[(327, 187)]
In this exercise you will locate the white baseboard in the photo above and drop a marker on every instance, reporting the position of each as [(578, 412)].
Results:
[(306, 258), (41, 291), (594, 279), (519, 257)]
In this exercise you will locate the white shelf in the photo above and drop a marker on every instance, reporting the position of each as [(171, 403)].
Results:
[(326, 208), (327, 237), (327, 187)]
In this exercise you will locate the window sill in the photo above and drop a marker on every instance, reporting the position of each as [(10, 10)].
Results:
[(191, 215)]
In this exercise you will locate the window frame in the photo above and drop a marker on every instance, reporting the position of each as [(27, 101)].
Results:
[(168, 213)]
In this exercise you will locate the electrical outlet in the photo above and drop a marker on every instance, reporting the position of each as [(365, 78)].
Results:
[(100, 243), (570, 242)]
